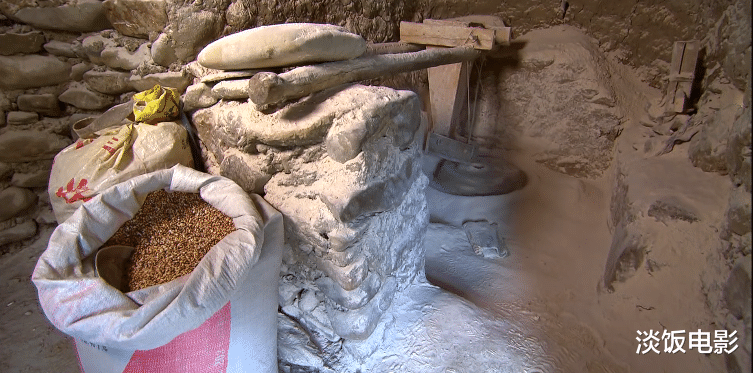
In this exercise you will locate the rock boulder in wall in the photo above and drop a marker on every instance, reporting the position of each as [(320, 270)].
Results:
[(15, 200), (81, 97), (173, 79), (108, 82), (190, 31), (83, 16), (43, 103), (308, 121), (29, 71), (30, 145), (138, 18), (17, 43)]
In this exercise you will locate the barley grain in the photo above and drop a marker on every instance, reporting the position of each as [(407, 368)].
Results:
[(171, 233)]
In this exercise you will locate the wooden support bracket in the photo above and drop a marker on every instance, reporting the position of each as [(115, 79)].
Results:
[(681, 76)]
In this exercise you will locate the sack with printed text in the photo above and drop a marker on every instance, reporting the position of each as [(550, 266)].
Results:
[(221, 317)]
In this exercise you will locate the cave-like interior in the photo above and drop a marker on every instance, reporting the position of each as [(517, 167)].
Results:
[(602, 222)]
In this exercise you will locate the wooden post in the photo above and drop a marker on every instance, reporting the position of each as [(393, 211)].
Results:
[(448, 92)]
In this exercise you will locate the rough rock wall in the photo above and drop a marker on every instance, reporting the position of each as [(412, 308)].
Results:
[(558, 91)]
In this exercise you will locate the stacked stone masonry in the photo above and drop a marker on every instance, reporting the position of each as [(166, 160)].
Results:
[(343, 166)]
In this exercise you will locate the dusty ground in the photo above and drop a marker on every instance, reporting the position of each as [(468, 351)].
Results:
[(29, 343), (537, 310)]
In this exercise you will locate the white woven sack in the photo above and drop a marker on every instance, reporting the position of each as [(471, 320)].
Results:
[(82, 305)]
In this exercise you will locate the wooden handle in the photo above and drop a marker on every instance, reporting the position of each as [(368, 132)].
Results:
[(269, 88)]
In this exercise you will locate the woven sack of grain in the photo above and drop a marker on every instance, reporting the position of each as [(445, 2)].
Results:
[(221, 317), (113, 149)]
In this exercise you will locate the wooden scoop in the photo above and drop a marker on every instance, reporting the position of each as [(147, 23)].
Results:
[(110, 264)]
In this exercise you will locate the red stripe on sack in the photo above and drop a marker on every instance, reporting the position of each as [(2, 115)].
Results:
[(202, 350)]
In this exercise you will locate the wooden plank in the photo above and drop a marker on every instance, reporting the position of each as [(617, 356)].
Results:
[(502, 35), (448, 90), (689, 57), (677, 51), (446, 35), (681, 75)]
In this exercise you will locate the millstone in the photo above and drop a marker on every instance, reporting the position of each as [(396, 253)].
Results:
[(485, 177)]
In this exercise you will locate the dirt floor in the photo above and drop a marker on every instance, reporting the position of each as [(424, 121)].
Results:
[(537, 310)]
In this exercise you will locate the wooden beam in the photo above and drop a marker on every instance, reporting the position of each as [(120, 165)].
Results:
[(446, 35), (267, 88), (502, 34)]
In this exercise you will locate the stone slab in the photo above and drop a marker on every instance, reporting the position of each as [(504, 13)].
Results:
[(226, 75), (93, 45), (60, 48), (282, 45), (198, 96), (308, 120), (83, 98), (163, 53), (251, 173), (123, 59), (18, 232), (78, 70), (196, 30), (179, 80), (20, 118), (236, 89), (349, 277), (352, 299), (379, 109), (33, 179), (360, 323)]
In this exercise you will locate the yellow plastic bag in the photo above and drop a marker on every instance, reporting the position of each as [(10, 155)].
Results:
[(156, 105)]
